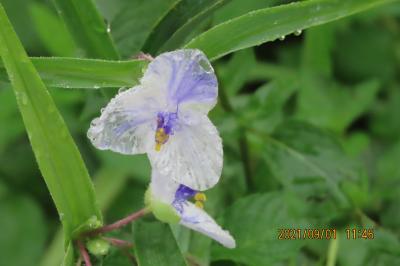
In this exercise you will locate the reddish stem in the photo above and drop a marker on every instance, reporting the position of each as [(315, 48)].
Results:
[(118, 242), (118, 224), (84, 254)]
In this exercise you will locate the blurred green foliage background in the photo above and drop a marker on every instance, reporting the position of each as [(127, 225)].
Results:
[(310, 125)]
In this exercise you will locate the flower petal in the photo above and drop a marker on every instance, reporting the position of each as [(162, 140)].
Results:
[(198, 220), (127, 123), (163, 187), (192, 156), (186, 77)]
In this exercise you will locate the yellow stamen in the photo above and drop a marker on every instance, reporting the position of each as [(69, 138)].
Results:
[(199, 204), (160, 138), (158, 146), (200, 197)]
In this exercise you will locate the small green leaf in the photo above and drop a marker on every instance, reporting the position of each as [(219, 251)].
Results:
[(56, 153), (87, 27), (269, 24), (155, 245), (87, 73)]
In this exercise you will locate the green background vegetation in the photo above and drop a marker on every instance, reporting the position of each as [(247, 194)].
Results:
[(309, 120)]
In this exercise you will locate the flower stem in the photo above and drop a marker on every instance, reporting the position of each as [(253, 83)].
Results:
[(118, 224), (118, 242), (84, 253), (332, 251)]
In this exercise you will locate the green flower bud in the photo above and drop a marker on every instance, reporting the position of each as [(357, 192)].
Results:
[(98, 246)]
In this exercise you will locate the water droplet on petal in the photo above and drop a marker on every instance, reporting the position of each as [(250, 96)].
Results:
[(298, 32), (282, 38)]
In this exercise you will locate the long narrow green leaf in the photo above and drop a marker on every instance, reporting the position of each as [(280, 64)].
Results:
[(188, 30), (85, 73), (183, 12), (56, 153), (269, 24), (87, 27)]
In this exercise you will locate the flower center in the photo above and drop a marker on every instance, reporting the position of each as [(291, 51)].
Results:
[(184, 193), (166, 122)]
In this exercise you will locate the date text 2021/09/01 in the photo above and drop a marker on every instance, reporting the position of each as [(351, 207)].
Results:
[(323, 233)]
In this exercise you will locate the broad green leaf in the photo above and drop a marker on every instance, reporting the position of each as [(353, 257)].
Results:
[(24, 231), (177, 26), (254, 221), (133, 24), (56, 153), (87, 27), (87, 73), (52, 31), (155, 245), (308, 160), (334, 106), (269, 24)]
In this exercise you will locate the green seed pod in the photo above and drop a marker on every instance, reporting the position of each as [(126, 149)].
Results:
[(98, 246)]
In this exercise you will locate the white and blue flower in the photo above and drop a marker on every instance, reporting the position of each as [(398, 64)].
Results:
[(169, 202), (166, 117)]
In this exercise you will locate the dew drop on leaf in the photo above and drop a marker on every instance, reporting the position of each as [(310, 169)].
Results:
[(298, 32), (282, 38)]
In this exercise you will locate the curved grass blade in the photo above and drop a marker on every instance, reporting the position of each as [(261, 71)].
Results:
[(268, 24), (85, 73), (186, 11), (56, 153), (87, 27)]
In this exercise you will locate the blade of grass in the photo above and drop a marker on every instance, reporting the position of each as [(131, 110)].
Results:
[(87, 27), (58, 158), (268, 24), (85, 73), (184, 12)]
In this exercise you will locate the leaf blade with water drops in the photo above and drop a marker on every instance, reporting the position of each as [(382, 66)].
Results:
[(80, 73), (269, 24), (56, 153)]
